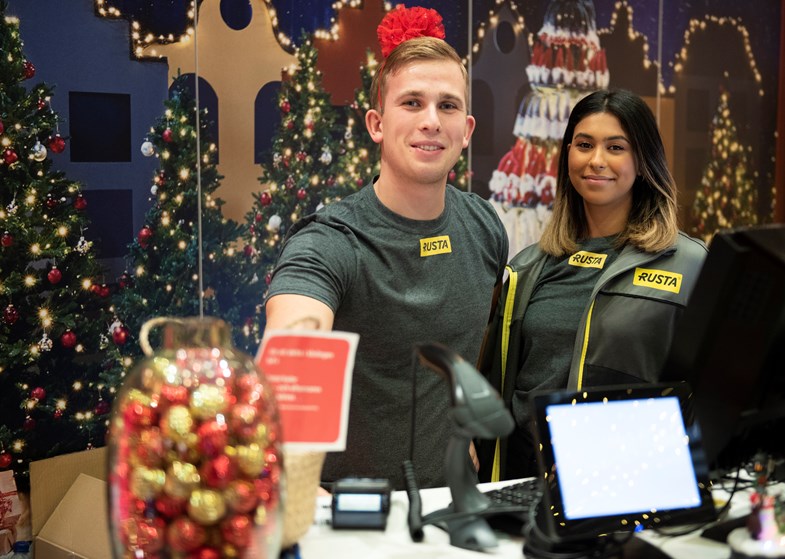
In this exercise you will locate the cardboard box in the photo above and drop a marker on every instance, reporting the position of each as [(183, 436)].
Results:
[(79, 526), (51, 479), (69, 506)]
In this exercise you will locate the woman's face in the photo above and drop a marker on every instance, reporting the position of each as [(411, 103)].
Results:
[(602, 167)]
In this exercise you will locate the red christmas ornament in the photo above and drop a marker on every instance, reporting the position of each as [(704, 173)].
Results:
[(151, 536), (265, 199), (301, 194), (10, 314), (2, 127), (103, 291), (68, 339), (41, 104), (185, 535), (213, 438), (102, 407), (10, 156), (28, 70), (218, 472), (51, 201), (38, 393), (58, 414), (56, 143), (330, 181), (54, 276), (167, 135), (7, 239), (206, 553), (175, 395), (120, 335), (301, 156), (237, 530), (268, 278), (285, 107), (170, 507), (451, 176), (125, 280), (144, 236), (80, 202), (289, 124), (248, 250), (5, 460), (28, 424)]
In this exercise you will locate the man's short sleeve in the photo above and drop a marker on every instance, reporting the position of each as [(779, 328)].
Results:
[(318, 261)]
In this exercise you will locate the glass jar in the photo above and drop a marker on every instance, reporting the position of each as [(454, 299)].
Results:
[(194, 456)]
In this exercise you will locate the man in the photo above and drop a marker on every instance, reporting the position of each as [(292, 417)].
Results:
[(405, 260)]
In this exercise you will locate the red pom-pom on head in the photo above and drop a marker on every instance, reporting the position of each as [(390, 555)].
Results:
[(402, 24)]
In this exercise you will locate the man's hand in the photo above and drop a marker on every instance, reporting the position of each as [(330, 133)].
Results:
[(473, 454)]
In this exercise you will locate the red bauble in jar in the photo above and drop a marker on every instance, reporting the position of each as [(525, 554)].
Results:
[(191, 454)]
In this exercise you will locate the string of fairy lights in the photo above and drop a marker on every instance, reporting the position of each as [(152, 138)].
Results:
[(697, 25), (142, 39)]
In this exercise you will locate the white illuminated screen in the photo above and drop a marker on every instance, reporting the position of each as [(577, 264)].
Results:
[(359, 502), (622, 457)]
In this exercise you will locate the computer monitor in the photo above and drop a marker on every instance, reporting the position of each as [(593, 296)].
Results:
[(729, 345), (618, 459)]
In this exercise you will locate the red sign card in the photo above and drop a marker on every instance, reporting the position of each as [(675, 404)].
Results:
[(311, 372)]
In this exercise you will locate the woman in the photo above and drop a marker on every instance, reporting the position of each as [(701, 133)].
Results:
[(595, 301)]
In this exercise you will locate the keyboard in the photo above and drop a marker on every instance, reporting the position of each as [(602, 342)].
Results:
[(511, 506)]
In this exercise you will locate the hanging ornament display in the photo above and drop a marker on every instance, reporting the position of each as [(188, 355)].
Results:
[(56, 144), (125, 281), (68, 339), (54, 276), (45, 343), (80, 202), (265, 199), (83, 245), (274, 223), (10, 156), (7, 239), (10, 314), (120, 335), (194, 449), (167, 135), (39, 152), (147, 148), (144, 236), (28, 70)]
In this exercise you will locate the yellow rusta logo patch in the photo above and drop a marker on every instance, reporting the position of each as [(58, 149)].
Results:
[(586, 259), (435, 245), (658, 279)]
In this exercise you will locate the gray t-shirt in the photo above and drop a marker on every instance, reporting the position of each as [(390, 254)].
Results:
[(550, 325), (397, 282)]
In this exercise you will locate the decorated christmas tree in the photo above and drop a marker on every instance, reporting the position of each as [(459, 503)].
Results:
[(58, 367), (168, 255), (727, 196), (567, 63), (359, 157), (301, 173)]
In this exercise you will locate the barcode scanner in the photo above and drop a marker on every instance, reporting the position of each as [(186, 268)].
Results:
[(477, 411)]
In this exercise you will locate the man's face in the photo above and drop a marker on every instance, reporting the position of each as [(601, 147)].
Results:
[(424, 126)]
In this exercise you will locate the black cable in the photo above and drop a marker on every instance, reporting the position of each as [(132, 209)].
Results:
[(414, 519)]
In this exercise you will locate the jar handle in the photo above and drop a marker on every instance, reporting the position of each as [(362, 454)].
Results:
[(144, 332)]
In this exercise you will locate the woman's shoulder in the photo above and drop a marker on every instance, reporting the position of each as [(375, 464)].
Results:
[(691, 245)]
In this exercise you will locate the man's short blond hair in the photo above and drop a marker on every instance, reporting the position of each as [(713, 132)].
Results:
[(424, 49)]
